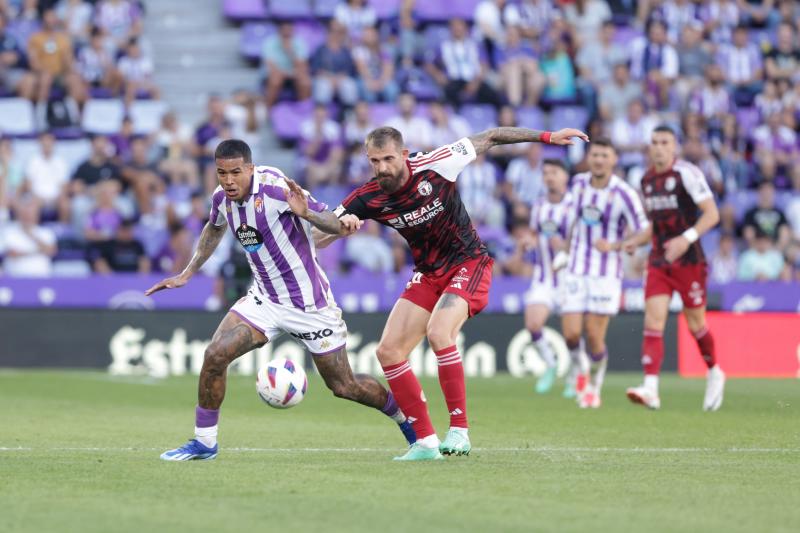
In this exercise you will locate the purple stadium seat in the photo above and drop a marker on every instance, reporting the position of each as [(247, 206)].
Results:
[(748, 119), (293, 10), (433, 36), (325, 8), (252, 38), (741, 202), (241, 10), (312, 33), (443, 10), (531, 117), (380, 113), (625, 35), (479, 116), (568, 117), (288, 116), (421, 85), (385, 9), (550, 151)]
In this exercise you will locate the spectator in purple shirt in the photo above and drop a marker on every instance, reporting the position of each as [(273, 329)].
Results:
[(460, 68), (655, 61), (105, 219), (712, 101), (522, 80), (333, 69), (742, 65), (322, 146)]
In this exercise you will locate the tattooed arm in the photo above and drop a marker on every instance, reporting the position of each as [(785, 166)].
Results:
[(495, 136), (209, 240)]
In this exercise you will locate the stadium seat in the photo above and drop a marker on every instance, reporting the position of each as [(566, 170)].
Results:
[(103, 116), (741, 202), (385, 9), (625, 35), (550, 151), (288, 116), (251, 39), (479, 116), (531, 117), (241, 10), (291, 10), (74, 151), (748, 119), (568, 117), (443, 10), (71, 268), (16, 117), (380, 113), (146, 115)]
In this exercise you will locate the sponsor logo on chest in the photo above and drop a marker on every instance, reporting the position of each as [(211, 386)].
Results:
[(418, 216), (249, 237), (661, 202)]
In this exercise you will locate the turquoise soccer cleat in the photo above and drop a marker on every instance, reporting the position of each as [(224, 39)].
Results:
[(418, 452), (456, 442), (191, 451), (545, 383)]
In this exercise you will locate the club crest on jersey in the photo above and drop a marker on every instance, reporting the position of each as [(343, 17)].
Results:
[(458, 148), (591, 215), (259, 203), (669, 184), (548, 227), (249, 237), (424, 188)]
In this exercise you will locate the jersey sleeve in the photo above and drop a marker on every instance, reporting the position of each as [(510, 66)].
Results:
[(273, 184), (354, 204), (695, 183), (446, 161), (217, 214), (634, 212)]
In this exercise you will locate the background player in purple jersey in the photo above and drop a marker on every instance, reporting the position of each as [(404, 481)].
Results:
[(681, 207), (271, 217), (551, 219), (417, 195), (606, 210)]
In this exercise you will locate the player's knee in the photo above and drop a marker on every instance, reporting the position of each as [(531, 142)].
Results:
[(388, 355), (573, 340), (215, 358), (438, 338), (343, 390)]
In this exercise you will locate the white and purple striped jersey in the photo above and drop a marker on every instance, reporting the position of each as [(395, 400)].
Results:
[(547, 220), (602, 214), (278, 243)]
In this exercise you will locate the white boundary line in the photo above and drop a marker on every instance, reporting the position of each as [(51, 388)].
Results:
[(533, 449)]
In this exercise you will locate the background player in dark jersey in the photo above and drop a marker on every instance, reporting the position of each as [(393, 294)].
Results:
[(681, 208), (417, 196)]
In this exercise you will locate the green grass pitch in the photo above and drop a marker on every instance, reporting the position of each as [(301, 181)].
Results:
[(80, 453)]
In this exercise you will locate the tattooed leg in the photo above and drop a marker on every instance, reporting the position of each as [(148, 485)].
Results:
[(232, 339), (362, 388)]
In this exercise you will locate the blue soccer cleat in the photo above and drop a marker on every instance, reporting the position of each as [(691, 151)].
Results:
[(193, 450), (408, 432)]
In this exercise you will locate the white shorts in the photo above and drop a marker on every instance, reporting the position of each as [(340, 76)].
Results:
[(322, 331), (546, 294), (600, 296)]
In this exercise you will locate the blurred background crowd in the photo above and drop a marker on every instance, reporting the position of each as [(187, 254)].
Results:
[(98, 175)]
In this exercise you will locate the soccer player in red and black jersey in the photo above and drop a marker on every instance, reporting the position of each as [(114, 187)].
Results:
[(681, 208), (417, 195)]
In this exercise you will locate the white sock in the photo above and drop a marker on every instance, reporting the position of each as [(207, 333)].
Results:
[(600, 373), (578, 361), (546, 351), (206, 436), (398, 417), (651, 382), (431, 441)]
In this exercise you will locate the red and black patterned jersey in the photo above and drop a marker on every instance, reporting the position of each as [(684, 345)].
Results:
[(427, 210), (671, 200)]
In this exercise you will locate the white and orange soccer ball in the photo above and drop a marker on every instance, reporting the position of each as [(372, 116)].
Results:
[(281, 383)]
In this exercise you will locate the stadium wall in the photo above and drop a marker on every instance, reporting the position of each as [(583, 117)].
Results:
[(163, 343)]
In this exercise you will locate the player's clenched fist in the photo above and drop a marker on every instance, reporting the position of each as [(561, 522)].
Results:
[(351, 224)]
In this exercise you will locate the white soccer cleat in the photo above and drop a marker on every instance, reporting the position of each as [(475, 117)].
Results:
[(715, 389), (590, 399), (644, 396)]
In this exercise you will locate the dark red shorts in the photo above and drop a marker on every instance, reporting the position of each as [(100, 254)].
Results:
[(469, 280), (687, 280)]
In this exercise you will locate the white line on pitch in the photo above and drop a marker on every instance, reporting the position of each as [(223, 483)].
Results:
[(533, 449)]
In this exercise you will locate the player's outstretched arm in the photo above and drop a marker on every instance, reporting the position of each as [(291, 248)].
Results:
[(350, 223), (496, 136), (209, 240), (325, 221)]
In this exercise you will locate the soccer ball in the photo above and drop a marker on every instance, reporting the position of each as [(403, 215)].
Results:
[(281, 383)]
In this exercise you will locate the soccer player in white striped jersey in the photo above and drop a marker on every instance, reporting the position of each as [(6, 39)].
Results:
[(271, 217), (551, 220), (608, 214)]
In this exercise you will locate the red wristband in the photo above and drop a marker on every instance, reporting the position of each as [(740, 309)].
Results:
[(546, 137)]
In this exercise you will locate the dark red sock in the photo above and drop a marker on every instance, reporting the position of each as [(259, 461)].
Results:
[(451, 378), (706, 344), (652, 351), (409, 396)]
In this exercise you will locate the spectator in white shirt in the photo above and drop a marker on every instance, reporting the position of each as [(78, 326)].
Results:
[(29, 247), (723, 265), (532, 17), (616, 96), (488, 27), (356, 16), (586, 17), (369, 251), (77, 18), (447, 127), (477, 185), (523, 183), (655, 60), (741, 62), (46, 176), (96, 65), (136, 70), (417, 131), (631, 133), (358, 125)]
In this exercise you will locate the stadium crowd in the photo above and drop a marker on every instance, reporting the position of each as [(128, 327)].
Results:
[(724, 73)]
